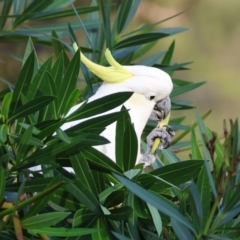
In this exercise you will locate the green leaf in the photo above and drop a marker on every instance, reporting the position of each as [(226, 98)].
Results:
[(24, 143), (181, 231), (168, 56), (177, 173), (131, 13), (32, 106), (3, 133), (23, 82), (115, 198), (50, 129), (65, 13), (49, 152), (130, 147), (108, 191), (148, 37), (17, 7), (74, 96), (69, 82), (82, 216), (196, 154), (102, 233), (64, 232), (72, 35), (105, 10), (43, 220), (5, 11), (29, 201), (120, 214), (57, 71), (156, 219), (35, 185), (120, 237), (29, 49), (205, 193), (180, 90), (205, 139), (41, 203), (99, 106), (196, 207), (174, 67), (232, 200), (83, 172), (120, 129), (155, 201), (32, 9), (48, 88), (170, 156), (182, 135), (6, 104), (139, 207), (59, 49), (150, 61), (146, 180), (66, 200), (63, 136), (99, 159), (96, 123), (2, 182), (123, 13), (219, 148), (84, 195), (39, 79)]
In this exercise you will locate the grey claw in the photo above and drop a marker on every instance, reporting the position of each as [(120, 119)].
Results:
[(164, 135), (148, 159), (170, 130)]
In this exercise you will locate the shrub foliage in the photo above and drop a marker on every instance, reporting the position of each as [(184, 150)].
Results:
[(193, 199)]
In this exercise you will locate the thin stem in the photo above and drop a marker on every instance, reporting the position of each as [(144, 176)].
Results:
[(211, 215)]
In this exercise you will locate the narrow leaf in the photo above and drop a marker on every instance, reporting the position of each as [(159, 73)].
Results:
[(168, 56), (100, 105), (69, 82), (32, 106), (155, 201), (23, 82), (6, 104), (83, 172), (130, 147), (80, 191), (64, 232), (3, 133), (2, 182), (156, 219), (43, 220)]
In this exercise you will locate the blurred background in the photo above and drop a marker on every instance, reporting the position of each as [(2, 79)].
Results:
[(212, 43)]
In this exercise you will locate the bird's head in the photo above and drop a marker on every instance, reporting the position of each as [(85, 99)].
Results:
[(151, 82)]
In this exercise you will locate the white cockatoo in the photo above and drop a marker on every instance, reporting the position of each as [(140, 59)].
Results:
[(148, 84)]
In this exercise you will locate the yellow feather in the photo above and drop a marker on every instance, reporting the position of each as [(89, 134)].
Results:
[(114, 74)]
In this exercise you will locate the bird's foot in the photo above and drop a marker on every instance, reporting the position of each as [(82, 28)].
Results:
[(148, 159), (165, 136), (161, 110)]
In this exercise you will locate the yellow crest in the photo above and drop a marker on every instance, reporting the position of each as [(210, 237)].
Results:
[(114, 74)]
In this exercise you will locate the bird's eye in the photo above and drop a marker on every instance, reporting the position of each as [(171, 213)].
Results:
[(150, 95)]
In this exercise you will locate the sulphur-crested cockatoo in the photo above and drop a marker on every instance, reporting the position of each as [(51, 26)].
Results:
[(149, 86)]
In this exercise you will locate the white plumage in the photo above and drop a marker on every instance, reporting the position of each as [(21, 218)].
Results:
[(149, 85)]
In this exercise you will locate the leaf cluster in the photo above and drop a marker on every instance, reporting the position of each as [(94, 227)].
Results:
[(194, 199)]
